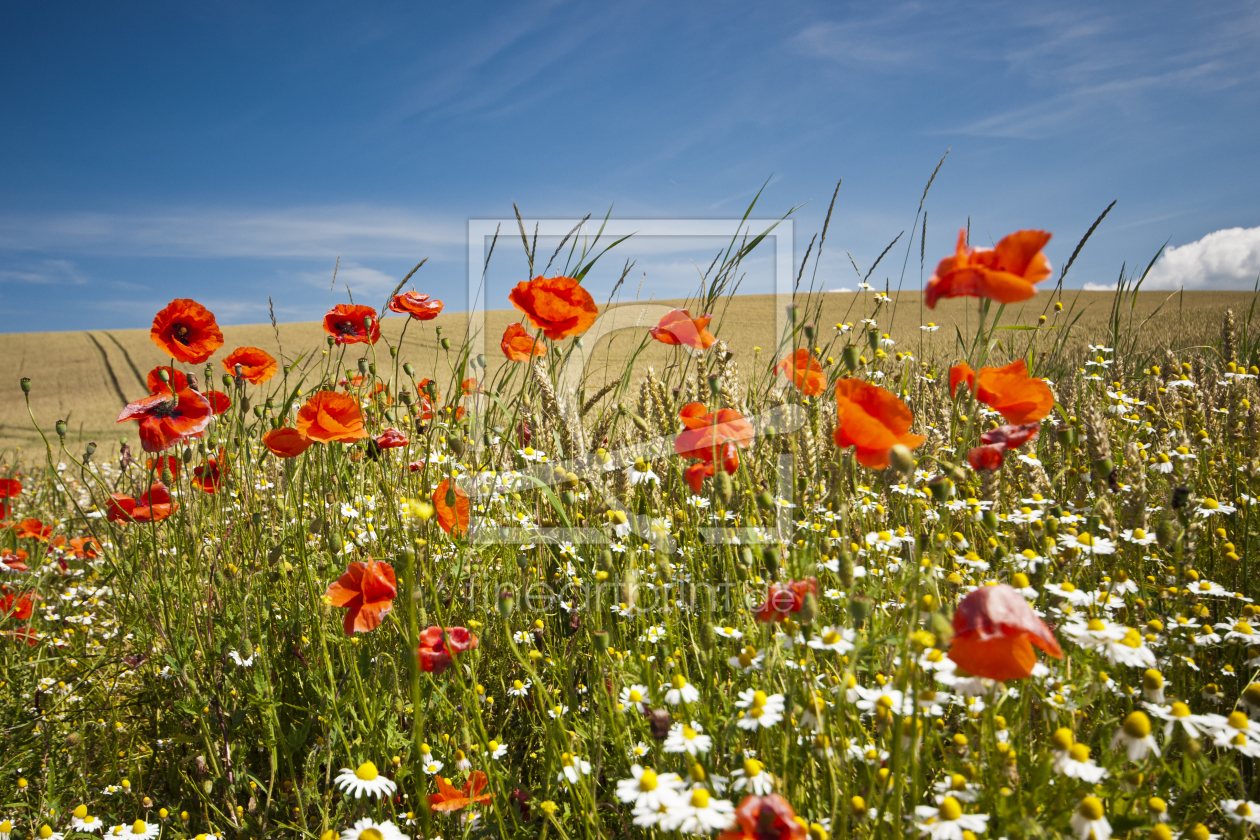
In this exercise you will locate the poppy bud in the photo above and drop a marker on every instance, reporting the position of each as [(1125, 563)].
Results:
[(990, 520), (901, 458), (167, 478), (764, 500), (860, 609), (26, 384), (187, 455), (61, 429), (1103, 468), (1166, 533), (457, 446), (792, 310), (640, 423), (405, 397), (569, 498), (336, 544), (74, 739), (258, 411), (941, 488), (723, 487), (601, 640), (715, 387), (850, 357), (809, 609), (846, 569), (507, 602), (446, 344), (770, 557), (663, 568), (1052, 526), (408, 369), (1066, 434), (605, 561)]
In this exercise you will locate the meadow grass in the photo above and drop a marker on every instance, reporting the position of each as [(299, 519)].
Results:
[(190, 675)]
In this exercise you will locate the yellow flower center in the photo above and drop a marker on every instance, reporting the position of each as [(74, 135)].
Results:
[(6, 826), (1243, 627), (831, 637), (1204, 586), (648, 780), (872, 755), (45, 831), (958, 782), (1096, 625), (679, 681), (366, 772), (1138, 725), (518, 685), (1085, 539), (700, 798), (688, 733), (1211, 504), (1238, 720), (1132, 638), (1243, 809), (371, 834), (1091, 808), (752, 767), (1079, 752), (1067, 587), (1063, 738), (81, 811), (759, 699), (138, 827), (950, 809)]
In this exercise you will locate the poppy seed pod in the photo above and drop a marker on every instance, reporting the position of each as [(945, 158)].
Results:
[(602, 640), (708, 637), (770, 557), (850, 357), (872, 339), (764, 500), (1066, 434), (90, 449), (901, 458), (227, 379), (363, 365), (811, 330), (446, 344), (941, 488), (408, 369), (26, 384), (61, 428), (507, 602), (723, 487)]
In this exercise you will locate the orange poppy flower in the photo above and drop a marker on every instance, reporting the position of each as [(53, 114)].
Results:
[(678, 327), (329, 416), (16, 605), (219, 401), (33, 529), (9, 488), (873, 420), (209, 475), (172, 462), (784, 599), (391, 439), (187, 331), (438, 646), (804, 371), (707, 434), (15, 561), (1009, 390), (558, 306), (765, 818), (153, 506), (449, 798), (366, 591), (996, 442), (257, 366), (177, 380), (451, 518), (166, 419), (1005, 273), (418, 306), (520, 346), (348, 323), (994, 634), (85, 547), (286, 443)]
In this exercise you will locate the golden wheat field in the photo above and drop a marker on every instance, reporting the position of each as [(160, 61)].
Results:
[(85, 378)]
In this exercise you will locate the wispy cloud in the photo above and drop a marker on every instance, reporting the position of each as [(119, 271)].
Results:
[(309, 232), (1224, 259), (42, 272)]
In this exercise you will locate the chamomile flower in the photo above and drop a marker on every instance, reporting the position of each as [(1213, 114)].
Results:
[(1089, 820), (432, 767), (688, 738), (364, 781), (761, 710), (1241, 811), (1134, 735), (753, 777), (519, 688), (138, 830), (496, 749), (698, 812), (947, 821), (369, 829), (572, 768), (633, 697), (6, 828), (46, 833), (834, 639), (648, 791), (681, 691)]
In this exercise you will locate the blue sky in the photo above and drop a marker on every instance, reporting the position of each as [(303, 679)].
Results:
[(231, 150)]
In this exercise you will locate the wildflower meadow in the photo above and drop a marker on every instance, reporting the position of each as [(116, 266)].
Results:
[(830, 589)]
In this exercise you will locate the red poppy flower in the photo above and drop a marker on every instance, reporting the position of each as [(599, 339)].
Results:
[(33, 529), (367, 592), (391, 439), (873, 420), (219, 401), (187, 331), (995, 443), (9, 488), (153, 506), (1005, 273), (177, 380), (348, 322), (677, 327), (286, 443), (418, 306), (558, 306), (85, 547), (696, 473), (438, 646), (1009, 390), (26, 634), (994, 634), (16, 605), (167, 419), (209, 475), (784, 599), (765, 818), (329, 416), (15, 561), (257, 366), (416, 465), (804, 371), (449, 798), (520, 346), (172, 462), (449, 518), (707, 434)]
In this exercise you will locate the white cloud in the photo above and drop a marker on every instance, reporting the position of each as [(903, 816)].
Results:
[(1224, 259), (42, 272), (1100, 287), (313, 231)]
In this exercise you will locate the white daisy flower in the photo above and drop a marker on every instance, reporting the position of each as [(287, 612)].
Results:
[(834, 639), (681, 691), (948, 822), (632, 697), (648, 792), (369, 829), (1240, 811), (688, 738), (1135, 734), (365, 781), (697, 812), (754, 778), (762, 710), (573, 768), (1089, 821)]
